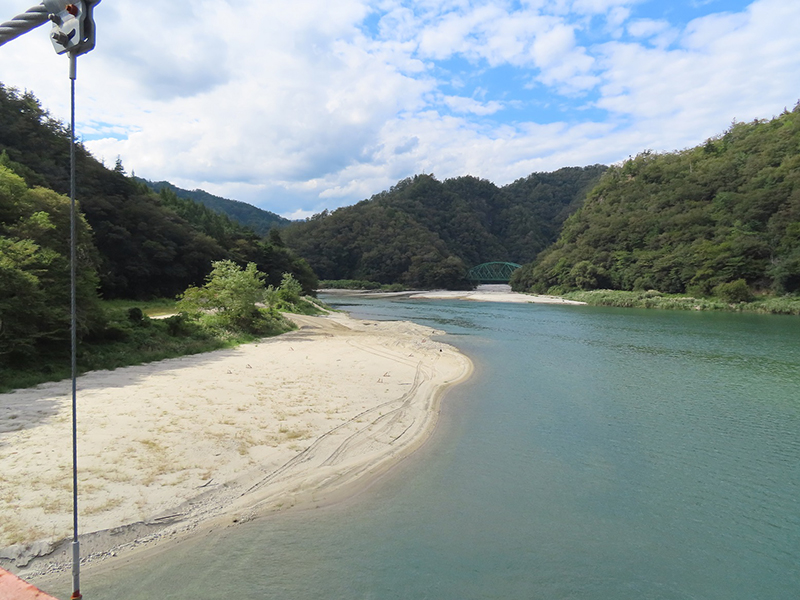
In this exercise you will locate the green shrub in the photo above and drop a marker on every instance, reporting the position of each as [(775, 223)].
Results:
[(348, 284), (228, 298), (290, 290), (393, 287), (177, 325), (734, 292), (135, 315), (115, 332)]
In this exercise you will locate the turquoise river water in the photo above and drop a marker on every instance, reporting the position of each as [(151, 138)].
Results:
[(595, 454)]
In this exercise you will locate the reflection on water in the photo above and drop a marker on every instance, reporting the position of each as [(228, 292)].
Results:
[(596, 454)]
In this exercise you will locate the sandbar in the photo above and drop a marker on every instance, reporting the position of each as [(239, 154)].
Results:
[(494, 296), (483, 293), (225, 436)]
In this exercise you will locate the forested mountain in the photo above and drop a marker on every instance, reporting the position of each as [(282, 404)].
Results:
[(688, 221), (427, 233), (146, 244), (257, 219)]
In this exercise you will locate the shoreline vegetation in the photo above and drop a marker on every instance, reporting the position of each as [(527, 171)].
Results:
[(650, 299), (776, 305), (232, 308), (172, 448), (486, 293), (140, 332), (350, 285)]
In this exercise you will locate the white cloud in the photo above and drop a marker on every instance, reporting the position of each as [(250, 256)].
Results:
[(727, 66), (551, 46), (299, 215), (657, 32), (598, 7), (298, 106), (460, 104)]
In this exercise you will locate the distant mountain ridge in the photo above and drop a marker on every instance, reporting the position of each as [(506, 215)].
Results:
[(257, 219), (426, 233)]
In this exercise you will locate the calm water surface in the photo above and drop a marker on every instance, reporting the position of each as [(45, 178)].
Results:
[(595, 454)]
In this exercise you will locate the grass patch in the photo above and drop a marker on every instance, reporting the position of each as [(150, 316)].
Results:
[(56, 505), (105, 506), (359, 284), (306, 306), (16, 533), (151, 308), (293, 434), (130, 337), (786, 305)]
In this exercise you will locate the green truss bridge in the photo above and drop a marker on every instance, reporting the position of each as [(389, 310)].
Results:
[(492, 272)]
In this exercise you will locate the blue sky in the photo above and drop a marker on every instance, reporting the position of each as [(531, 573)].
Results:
[(304, 105)]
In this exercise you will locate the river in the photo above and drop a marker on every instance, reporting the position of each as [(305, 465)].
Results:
[(599, 454)]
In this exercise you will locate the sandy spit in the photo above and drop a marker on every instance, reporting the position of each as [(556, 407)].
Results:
[(484, 293), (169, 447), (494, 296)]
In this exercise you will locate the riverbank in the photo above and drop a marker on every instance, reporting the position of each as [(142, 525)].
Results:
[(786, 305), (484, 293), (172, 447)]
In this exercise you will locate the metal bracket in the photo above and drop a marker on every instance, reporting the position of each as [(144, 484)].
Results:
[(73, 25)]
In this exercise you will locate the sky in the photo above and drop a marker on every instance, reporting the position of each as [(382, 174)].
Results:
[(303, 105)]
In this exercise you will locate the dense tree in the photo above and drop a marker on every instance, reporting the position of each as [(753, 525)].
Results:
[(229, 297), (149, 245), (533, 209), (382, 244), (145, 249), (35, 271), (259, 220), (427, 233), (714, 217)]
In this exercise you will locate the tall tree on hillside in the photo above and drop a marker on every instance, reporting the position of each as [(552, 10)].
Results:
[(35, 271)]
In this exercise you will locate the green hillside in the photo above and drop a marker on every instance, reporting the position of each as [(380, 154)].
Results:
[(148, 245), (698, 221), (426, 233), (257, 219), (133, 245)]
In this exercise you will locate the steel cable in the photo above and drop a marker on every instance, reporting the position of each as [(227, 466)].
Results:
[(27, 21)]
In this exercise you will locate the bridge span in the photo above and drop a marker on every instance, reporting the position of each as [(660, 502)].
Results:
[(492, 272)]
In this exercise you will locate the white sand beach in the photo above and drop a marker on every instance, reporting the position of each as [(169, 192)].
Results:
[(483, 293), (169, 446), (494, 296)]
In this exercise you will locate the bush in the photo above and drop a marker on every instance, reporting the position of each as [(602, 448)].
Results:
[(585, 276), (786, 274), (114, 332), (290, 290), (348, 284), (228, 297), (135, 314), (177, 325), (734, 292)]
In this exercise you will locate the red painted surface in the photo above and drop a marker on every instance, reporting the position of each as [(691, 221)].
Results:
[(13, 588)]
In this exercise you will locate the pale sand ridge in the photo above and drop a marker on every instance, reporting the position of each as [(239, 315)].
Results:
[(494, 296), (483, 293), (224, 435)]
